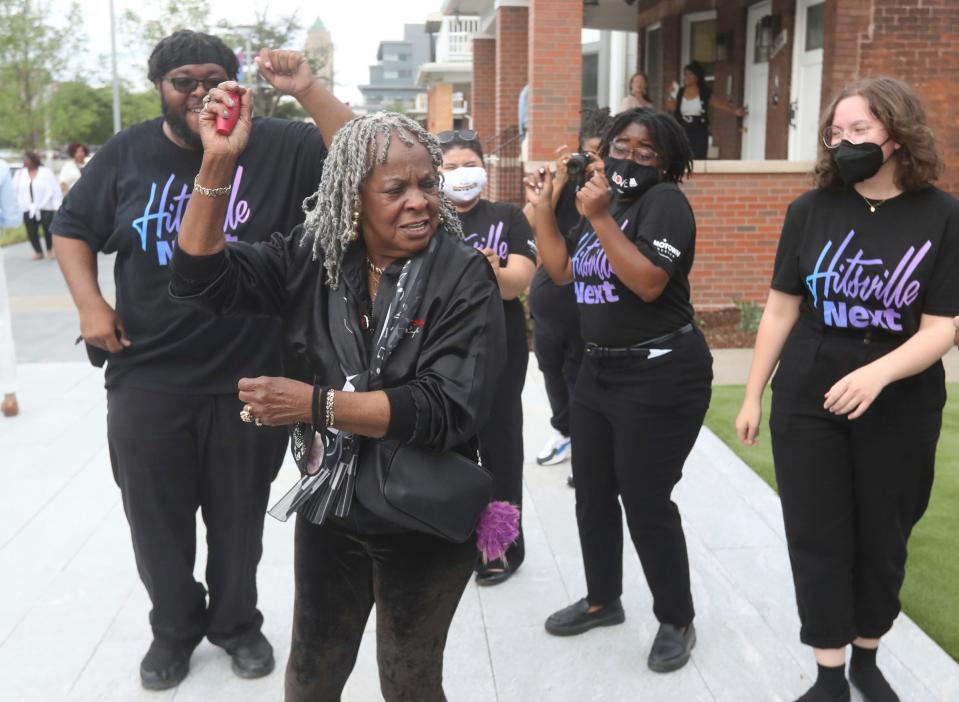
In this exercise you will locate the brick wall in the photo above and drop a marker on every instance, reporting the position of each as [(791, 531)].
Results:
[(738, 221), (483, 99), (512, 33), (555, 64), (780, 80)]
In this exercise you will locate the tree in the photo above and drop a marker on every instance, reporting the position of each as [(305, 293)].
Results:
[(80, 113), (33, 52), (174, 15)]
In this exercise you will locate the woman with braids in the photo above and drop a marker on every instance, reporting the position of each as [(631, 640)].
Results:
[(858, 316), (390, 326), (644, 385), (501, 233)]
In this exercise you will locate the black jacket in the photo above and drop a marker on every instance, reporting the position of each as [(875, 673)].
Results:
[(440, 380)]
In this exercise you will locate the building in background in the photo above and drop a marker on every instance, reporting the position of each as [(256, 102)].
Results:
[(393, 80), (784, 59), (448, 75), (319, 49)]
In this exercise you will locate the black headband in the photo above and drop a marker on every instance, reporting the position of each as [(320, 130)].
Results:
[(186, 48)]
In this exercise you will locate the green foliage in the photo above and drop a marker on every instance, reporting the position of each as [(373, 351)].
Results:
[(33, 52), (749, 315), (80, 113), (174, 15), (138, 107), (931, 591)]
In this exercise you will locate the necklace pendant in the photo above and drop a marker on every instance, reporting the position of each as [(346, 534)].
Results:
[(872, 208), (364, 322)]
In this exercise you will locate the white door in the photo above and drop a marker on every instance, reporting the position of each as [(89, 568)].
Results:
[(806, 89), (756, 85)]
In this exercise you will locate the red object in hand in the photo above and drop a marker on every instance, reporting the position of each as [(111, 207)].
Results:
[(225, 125)]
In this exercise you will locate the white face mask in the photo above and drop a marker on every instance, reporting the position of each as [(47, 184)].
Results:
[(464, 184)]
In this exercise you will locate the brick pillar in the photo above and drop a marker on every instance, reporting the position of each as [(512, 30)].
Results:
[(439, 116), (672, 54), (555, 70), (780, 85), (483, 97), (512, 24)]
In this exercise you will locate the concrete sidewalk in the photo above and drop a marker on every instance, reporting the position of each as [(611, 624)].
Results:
[(73, 613)]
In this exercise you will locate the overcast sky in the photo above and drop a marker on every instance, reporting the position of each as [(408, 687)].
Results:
[(357, 26)]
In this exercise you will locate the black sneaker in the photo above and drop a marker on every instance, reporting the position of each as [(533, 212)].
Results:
[(165, 665), (253, 658), (671, 647), (577, 619)]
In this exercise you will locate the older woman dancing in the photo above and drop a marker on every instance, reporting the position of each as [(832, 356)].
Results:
[(390, 326)]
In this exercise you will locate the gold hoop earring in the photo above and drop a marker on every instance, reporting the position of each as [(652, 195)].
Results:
[(355, 226)]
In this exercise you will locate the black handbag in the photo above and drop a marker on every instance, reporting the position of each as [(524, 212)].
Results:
[(442, 494)]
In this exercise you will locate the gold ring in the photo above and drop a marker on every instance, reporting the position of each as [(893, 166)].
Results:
[(207, 98), (258, 422), (246, 414)]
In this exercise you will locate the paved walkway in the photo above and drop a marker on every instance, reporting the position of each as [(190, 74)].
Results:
[(73, 613)]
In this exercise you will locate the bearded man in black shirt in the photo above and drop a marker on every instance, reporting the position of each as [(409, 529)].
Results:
[(176, 442)]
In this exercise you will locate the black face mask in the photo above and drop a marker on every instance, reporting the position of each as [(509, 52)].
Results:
[(629, 179), (858, 162)]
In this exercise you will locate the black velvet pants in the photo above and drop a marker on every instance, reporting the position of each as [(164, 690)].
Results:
[(172, 455), (851, 491), (416, 582), (501, 439), (635, 420)]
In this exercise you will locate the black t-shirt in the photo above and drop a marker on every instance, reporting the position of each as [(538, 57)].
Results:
[(878, 271), (131, 201), (499, 226), (662, 226)]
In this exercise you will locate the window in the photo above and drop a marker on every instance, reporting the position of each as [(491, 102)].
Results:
[(390, 75), (590, 90), (699, 41), (815, 28)]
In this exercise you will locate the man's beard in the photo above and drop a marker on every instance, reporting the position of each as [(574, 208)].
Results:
[(179, 126)]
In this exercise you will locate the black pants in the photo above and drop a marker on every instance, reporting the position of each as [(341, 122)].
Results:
[(635, 420), (33, 230), (416, 581), (174, 454), (501, 439), (851, 490), (698, 133), (558, 345)]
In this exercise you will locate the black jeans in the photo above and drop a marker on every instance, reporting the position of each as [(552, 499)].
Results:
[(851, 491), (174, 454), (558, 345), (33, 230), (501, 439), (416, 582), (635, 420)]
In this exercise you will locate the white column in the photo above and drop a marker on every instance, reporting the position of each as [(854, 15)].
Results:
[(617, 69), (605, 65)]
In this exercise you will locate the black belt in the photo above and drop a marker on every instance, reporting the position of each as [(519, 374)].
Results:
[(641, 349)]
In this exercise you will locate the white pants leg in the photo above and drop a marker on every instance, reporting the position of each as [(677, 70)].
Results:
[(8, 358)]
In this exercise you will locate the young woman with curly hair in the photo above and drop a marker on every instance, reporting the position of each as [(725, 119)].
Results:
[(860, 312)]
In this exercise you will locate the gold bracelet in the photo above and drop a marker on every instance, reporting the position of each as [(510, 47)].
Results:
[(330, 417), (211, 192)]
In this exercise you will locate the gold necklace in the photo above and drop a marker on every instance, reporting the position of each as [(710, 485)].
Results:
[(373, 267), (872, 205)]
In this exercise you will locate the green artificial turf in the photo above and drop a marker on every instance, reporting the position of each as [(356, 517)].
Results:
[(931, 592)]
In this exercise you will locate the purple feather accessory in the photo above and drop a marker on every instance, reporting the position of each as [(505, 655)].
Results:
[(498, 527)]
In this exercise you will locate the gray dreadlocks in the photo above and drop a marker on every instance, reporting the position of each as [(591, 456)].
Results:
[(352, 155)]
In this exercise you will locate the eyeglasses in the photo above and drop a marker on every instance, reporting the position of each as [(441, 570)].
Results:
[(185, 85), (833, 136), (643, 154), (457, 135)]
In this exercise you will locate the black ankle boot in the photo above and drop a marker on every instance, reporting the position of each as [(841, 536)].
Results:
[(165, 665)]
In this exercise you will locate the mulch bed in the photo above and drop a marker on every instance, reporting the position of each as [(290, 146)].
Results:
[(722, 331)]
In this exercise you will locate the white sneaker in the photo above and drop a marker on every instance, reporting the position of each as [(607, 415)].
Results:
[(555, 451)]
